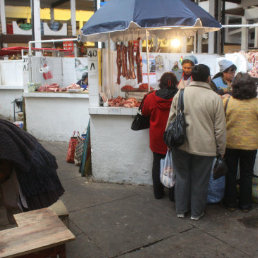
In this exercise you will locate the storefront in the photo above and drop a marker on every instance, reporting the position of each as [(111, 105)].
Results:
[(111, 134)]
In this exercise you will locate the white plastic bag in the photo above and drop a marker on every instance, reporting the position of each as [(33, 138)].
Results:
[(167, 175)]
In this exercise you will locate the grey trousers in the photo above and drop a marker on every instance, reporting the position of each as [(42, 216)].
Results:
[(192, 179)]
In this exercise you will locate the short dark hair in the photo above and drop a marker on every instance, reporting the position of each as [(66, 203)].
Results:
[(244, 87), (201, 73), (84, 76), (168, 80), (187, 61)]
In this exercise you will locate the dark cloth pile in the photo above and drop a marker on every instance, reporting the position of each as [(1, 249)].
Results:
[(35, 167)]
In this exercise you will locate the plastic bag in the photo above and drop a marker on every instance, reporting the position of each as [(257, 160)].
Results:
[(216, 187), (71, 148), (78, 151), (167, 175)]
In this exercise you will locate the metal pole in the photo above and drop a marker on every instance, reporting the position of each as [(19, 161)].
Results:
[(211, 34), (240, 25), (223, 30), (32, 18), (73, 16), (194, 37), (147, 57), (109, 65)]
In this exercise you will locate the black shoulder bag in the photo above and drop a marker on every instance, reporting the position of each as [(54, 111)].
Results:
[(175, 134), (141, 122)]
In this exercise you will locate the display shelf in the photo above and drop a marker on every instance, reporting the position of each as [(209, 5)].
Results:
[(112, 111), (135, 90), (11, 87), (56, 95)]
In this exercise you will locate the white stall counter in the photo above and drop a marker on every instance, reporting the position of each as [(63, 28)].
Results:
[(112, 111), (11, 87), (56, 95), (54, 116), (119, 154)]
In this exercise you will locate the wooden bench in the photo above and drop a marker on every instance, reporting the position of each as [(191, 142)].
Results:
[(40, 234)]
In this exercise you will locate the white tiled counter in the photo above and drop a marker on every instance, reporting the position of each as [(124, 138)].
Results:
[(112, 111), (54, 116), (119, 154)]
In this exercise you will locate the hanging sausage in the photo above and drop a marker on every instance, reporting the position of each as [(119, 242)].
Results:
[(139, 62), (118, 62)]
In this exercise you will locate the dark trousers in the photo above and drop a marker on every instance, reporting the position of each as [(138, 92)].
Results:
[(246, 159), (158, 188), (192, 178)]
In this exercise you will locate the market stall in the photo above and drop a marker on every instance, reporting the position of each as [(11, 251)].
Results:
[(11, 86), (118, 153), (55, 104)]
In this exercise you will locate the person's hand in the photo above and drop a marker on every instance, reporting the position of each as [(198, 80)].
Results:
[(225, 96)]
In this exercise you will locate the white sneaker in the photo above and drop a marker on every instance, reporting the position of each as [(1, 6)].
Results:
[(197, 217), (180, 215)]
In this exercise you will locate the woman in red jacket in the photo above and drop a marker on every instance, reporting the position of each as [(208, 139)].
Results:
[(156, 106)]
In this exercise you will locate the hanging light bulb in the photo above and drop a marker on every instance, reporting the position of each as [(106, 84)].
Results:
[(175, 43)]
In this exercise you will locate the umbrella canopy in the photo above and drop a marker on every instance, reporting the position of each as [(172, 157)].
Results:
[(129, 19)]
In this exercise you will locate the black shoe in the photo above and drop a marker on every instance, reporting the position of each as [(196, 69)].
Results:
[(245, 208), (171, 194), (158, 195), (158, 192)]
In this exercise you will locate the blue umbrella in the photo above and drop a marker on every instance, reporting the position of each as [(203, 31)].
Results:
[(130, 19)]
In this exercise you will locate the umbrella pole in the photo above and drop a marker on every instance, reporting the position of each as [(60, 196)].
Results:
[(109, 66), (147, 55), (194, 42)]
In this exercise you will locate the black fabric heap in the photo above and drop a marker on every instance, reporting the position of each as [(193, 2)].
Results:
[(35, 167)]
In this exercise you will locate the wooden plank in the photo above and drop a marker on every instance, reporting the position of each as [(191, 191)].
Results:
[(41, 229), (50, 253), (36, 216)]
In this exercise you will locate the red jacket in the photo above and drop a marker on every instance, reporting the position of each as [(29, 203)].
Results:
[(158, 110)]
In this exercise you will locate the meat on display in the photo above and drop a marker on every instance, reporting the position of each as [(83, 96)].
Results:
[(125, 61), (139, 62), (119, 63)]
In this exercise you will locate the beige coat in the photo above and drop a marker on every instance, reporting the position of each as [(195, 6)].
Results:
[(205, 119)]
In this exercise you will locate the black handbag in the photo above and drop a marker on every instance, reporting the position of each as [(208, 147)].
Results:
[(220, 168), (175, 134), (141, 122)]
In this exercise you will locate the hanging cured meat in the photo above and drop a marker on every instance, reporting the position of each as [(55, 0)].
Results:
[(124, 62), (119, 62), (139, 62), (131, 73)]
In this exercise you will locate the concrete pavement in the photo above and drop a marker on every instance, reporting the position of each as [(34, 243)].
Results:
[(117, 220)]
